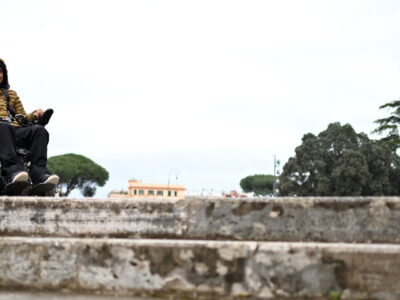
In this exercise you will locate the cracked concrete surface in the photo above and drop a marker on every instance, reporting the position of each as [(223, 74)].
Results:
[(200, 248), (361, 220), (210, 269), (60, 296)]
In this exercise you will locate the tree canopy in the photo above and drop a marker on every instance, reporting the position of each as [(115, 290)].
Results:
[(340, 162), (390, 125), (259, 184), (77, 171)]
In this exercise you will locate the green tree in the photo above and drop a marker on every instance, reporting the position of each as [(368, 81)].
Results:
[(259, 184), (340, 162), (390, 125), (77, 172)]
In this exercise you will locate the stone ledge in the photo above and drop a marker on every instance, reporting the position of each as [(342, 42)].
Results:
[(201, 269), (16, 295), (358, 219)]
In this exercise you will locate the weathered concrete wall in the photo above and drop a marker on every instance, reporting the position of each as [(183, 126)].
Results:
[(340, 219), (374, 219), (33, 216), (202, 269), (35, 295)]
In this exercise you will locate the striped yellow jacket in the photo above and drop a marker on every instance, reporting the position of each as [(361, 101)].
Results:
[(16, 103)]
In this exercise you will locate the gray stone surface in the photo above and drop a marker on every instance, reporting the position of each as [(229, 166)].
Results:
[(358, 219), (201, 269), (34, 216), (60, 296)]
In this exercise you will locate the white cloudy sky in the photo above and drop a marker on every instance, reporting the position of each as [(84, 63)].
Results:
[(212, 89)]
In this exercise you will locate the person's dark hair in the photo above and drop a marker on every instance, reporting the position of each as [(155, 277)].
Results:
[(4, 84)]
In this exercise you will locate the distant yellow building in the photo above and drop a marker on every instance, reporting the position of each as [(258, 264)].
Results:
[(138, 189)]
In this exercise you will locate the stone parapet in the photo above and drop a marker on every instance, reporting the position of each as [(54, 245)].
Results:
[(63, 217), (175, 269), (361, 220)]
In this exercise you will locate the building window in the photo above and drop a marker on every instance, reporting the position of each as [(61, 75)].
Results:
[(141, 192), (176, 194), (169, 193), (150, 193), (160, 193), (135, 192)]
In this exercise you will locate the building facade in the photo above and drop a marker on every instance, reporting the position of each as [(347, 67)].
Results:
[(138, 189)]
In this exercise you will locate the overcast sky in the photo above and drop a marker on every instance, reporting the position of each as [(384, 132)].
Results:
[(210, 90)]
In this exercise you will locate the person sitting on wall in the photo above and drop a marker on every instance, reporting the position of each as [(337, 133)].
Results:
[(34, 138)]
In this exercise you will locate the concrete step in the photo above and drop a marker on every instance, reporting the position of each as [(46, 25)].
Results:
[(361, 220), (175, 269)]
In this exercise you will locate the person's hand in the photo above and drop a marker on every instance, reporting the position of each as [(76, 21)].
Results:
[(38, 113)]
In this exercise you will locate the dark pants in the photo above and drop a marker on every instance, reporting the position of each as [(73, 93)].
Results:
[(34, 138)]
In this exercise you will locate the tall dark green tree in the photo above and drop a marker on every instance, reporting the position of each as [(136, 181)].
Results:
[(78, 172), (340, 162), (258, 184), (389, 126)]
